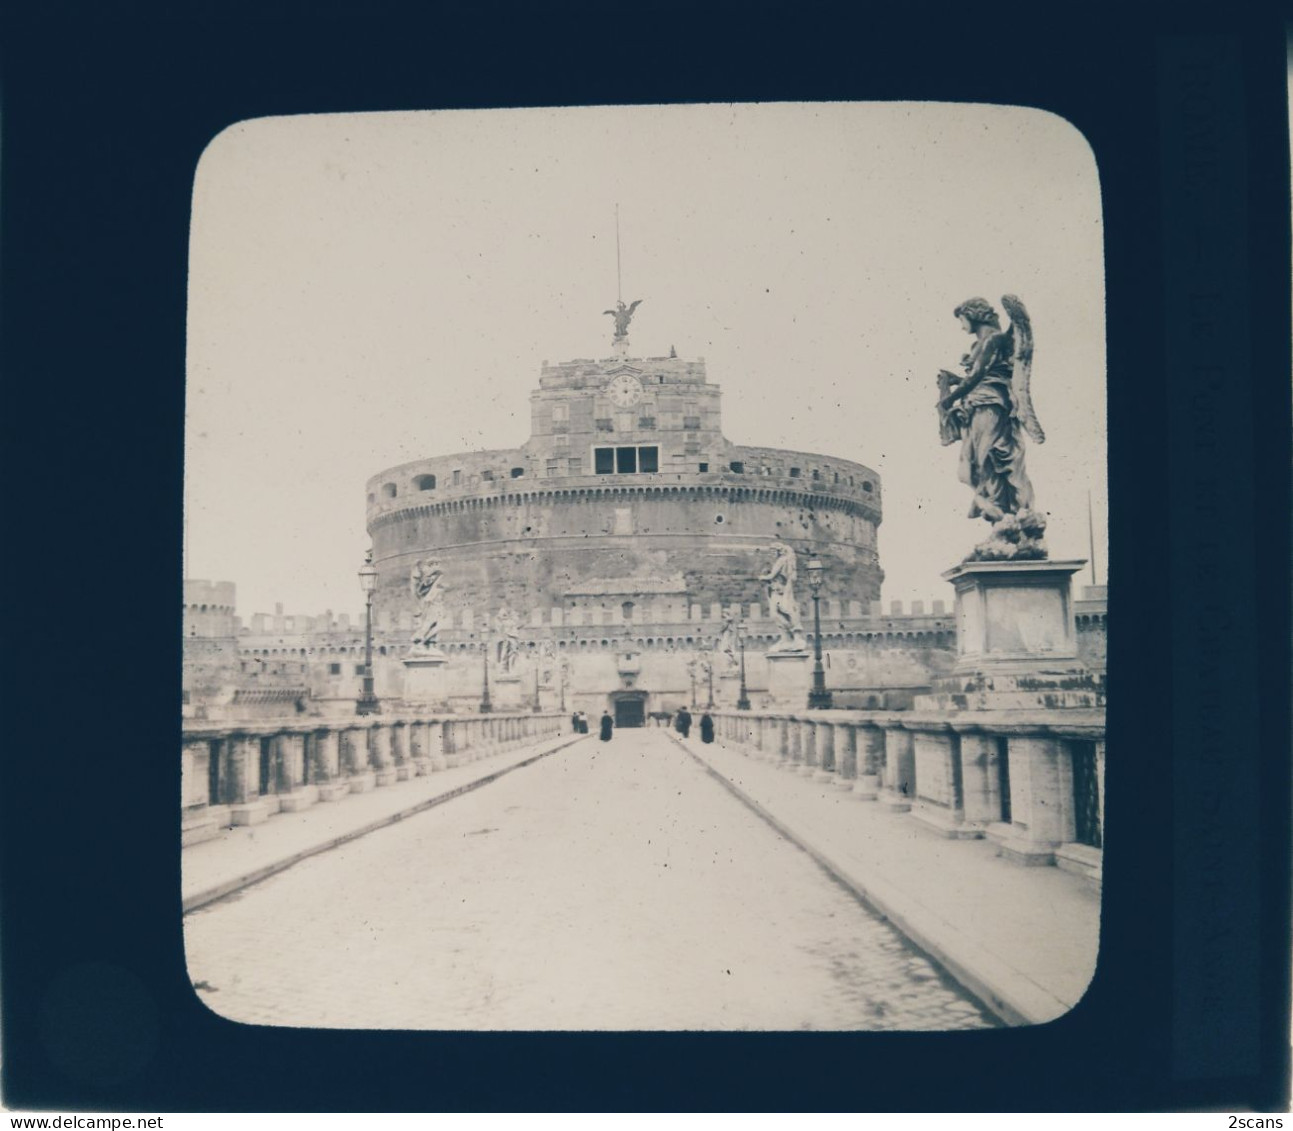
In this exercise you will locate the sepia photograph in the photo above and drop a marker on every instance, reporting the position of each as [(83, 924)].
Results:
[(645, 568)]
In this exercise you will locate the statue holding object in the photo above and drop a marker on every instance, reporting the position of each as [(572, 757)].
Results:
[(990, 410), (507, 643), (424, 582), (780, 580)]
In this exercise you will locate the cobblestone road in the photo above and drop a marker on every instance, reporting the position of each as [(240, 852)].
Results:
[(609, 886)]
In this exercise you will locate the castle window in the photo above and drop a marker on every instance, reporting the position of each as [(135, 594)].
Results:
[(704, 467), (424, 482), (457, 478), (517, 472), (553, 466), (794, 473), (605, 424), (627, 610), (646, 423), (626, 460), (388, 491), (334, 669), (487, 476), (691, 423), (359, 669), (866, 485), (737, 466), (816, 474)]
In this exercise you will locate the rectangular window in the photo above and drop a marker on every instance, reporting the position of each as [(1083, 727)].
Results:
[(626, 460), (604, 460), (646, 423), (604, 424), (648, 459), (334, 669), (553, 466), (359, 669), (691, 423), (737, 466), (457, 478), (487, 476), (704, 467), (794, 473)]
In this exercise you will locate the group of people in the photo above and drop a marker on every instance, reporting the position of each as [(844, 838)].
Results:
[(681, 723)]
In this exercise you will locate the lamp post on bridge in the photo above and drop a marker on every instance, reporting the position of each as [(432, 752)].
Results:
[(743, 701), (818, 698), (485, 706), (367, 703), (709, 674)]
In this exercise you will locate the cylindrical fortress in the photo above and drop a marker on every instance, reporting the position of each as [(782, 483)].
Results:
[(626, 492)]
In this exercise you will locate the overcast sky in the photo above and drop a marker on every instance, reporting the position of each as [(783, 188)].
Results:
[(370, 289)]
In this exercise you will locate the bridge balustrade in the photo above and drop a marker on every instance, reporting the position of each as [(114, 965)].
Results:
[(244, 773), (1032, 782)]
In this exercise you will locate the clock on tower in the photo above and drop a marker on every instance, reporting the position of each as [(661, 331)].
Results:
[(624, 391)]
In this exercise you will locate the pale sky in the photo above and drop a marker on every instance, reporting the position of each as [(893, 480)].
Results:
[(370, 289)]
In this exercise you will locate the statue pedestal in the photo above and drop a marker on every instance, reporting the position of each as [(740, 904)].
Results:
[(426, 679), (727, 690), (505, 693), (789, 677), (1015, 639), (1012, 617)]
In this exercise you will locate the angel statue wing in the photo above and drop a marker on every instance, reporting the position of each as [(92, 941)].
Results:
[(634, 305), (1022, 331)]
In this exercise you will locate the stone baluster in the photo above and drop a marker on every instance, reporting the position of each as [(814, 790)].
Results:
[(980, 779), (383, 758), (939, 791), (871, 757), (452, 755), (358, 761), (846, 755), (1041, 799), (808, 745), (291, 753), (246, 806), (825, 771), (900, 769), (330, 769), (401, 734), (786, 732)]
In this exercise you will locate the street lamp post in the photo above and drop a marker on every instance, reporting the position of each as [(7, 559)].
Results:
[(367, 703), (709, 673), (743, 701), (818, 697), (485, 706), (537, 708)]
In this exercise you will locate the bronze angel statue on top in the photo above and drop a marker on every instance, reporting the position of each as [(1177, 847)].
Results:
[(622, 315), (990, 410)]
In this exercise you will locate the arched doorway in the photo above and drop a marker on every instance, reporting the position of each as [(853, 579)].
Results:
[(629, 708)]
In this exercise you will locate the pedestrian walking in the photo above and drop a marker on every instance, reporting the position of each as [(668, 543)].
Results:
[(682, 722), (574, 722), (706, 728), (608, 725)]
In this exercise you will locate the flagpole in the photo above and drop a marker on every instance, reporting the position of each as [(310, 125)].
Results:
[(619, 286)]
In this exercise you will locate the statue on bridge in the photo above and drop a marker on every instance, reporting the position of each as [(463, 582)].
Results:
[(780, 581), (507, 642), (990, 410), (424, 582)]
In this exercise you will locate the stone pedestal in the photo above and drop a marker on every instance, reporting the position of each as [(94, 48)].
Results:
[(248, 812), (333, 790), (506, 693), (300, 798), (426, 679), (1041, 801), (790, 674)]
